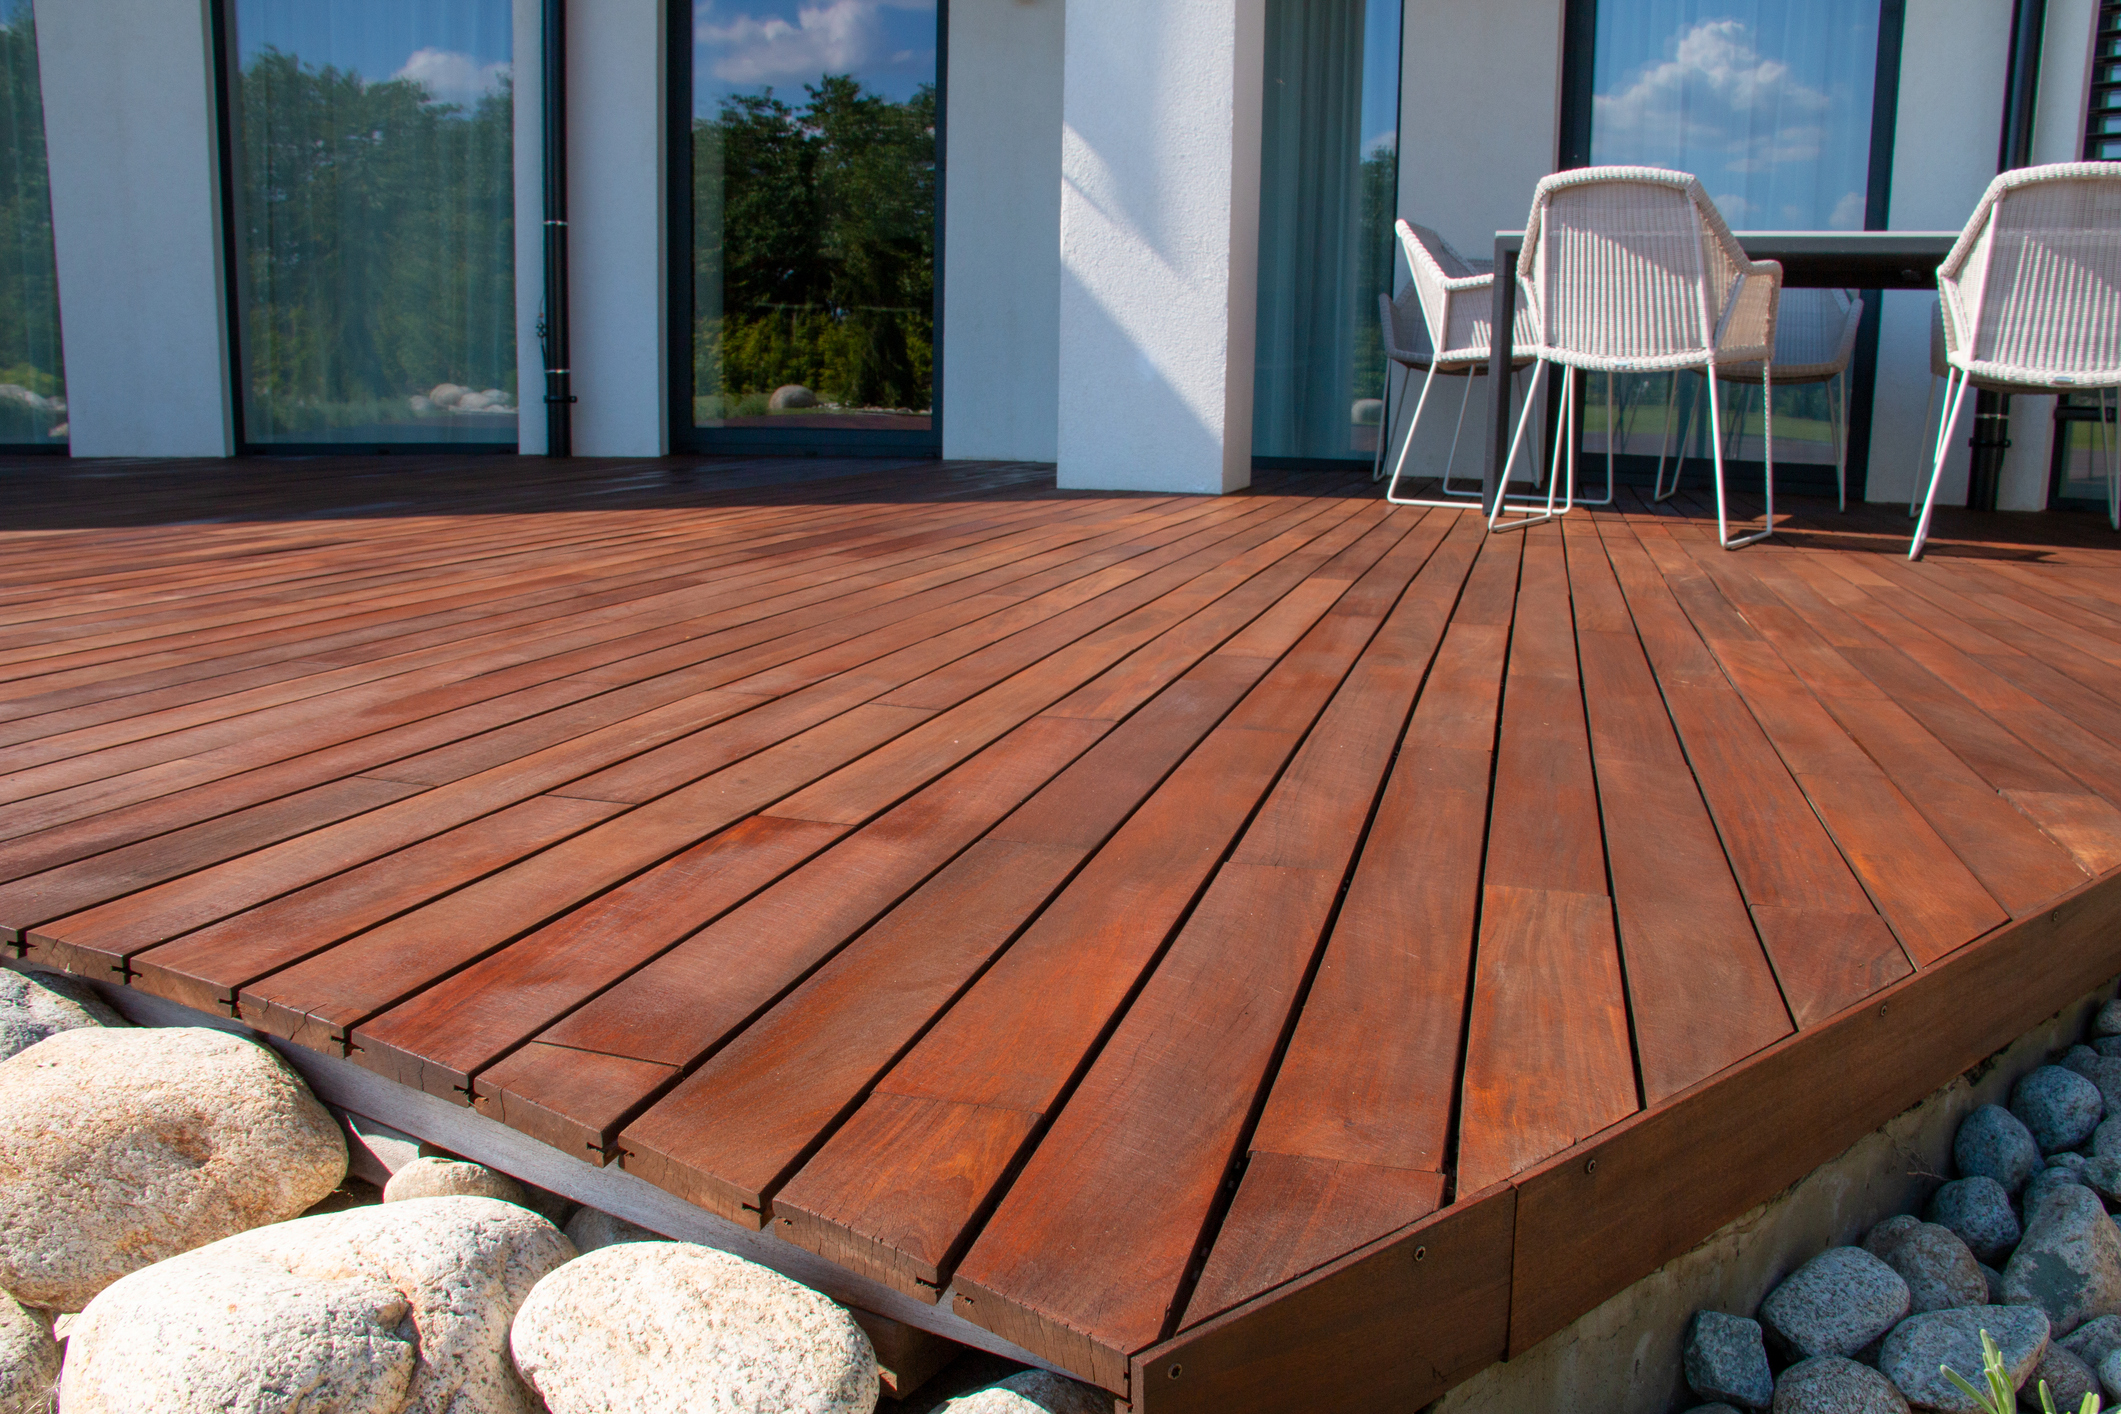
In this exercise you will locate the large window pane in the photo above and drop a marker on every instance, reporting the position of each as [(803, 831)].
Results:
[(1768, 102), (374, 220), (813, 187), (1328, 179), (32, 383)]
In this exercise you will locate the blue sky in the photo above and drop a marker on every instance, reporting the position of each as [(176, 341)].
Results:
[(742, 46), (458, 48), (1380, 74), (1768, 103)]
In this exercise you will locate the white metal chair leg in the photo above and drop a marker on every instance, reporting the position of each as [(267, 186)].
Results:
[(1400, 465), (1607, 499), (1836, 420), (1387, 422), (1929, 409), (1671, 410), (1452, 459), (1953, 401), (1723, 526), (1495, 522)]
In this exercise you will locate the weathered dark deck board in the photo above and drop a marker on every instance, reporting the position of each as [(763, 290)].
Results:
[(1088, 894)]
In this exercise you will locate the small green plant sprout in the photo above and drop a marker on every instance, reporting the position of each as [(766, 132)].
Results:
[(1999, 1398)]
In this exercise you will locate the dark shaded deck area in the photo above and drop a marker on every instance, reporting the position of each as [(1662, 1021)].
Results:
[(1182, 933)]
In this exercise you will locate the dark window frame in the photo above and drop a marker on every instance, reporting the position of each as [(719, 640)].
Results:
[(1573, 149), (678, 286), (63, 446), (222, 22), (2105, 88)]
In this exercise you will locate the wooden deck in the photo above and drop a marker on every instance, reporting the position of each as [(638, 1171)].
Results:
[(1183, 933)]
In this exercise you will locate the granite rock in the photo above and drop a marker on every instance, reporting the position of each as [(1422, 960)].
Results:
[(1994, 1281), (1913, 1354), (1830, 1384), (2102, 1071), (671, 1327), (2107, 1020), (2048, 1180), (2068, 1380), (394, 1308), (1980, 1212), (2091, 1341), (1041, 1392), (1994, 1143), (2069, 1263), (590, 1229), (1726, 1359), (1882, 1239), (2107, 1045), (120, 1147), (29, 1360), (2059, 1106), (432, 1177), (2106, 1139), (36, 1005), (1835, 1304), (1939, 1270)]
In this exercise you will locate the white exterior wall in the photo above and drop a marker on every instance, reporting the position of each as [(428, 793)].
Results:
[(1944, 155), (1479, 120), (617, 231), (130, 130), (528, 75), (2058, 136), (1159, 243), (1001, 225)]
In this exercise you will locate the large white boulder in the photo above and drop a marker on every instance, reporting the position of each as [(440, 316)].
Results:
[(119, 1148), (29, 1360), (675, 1328), (401, 1308), (1033, 1392), (433, 1177), (34, 1005)]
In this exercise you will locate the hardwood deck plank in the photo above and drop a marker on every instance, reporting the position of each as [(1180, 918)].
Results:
[(1548, 1059)]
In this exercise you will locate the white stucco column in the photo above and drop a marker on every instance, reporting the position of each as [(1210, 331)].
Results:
[(1159, 243), (1001, 230), (617, 197), (130, 133), (1944, 155)]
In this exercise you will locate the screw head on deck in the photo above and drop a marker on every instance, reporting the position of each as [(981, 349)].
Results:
[(1590, 1165)]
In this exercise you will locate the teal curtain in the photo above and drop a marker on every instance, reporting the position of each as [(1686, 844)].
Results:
[(32, 380), (375, 220), (1328, 189)]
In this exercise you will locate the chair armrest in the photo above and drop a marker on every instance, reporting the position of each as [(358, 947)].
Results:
[(1747, 328)]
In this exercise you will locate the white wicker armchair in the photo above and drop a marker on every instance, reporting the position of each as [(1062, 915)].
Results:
[(1632, 270), (1815, 340), (1447, 306), (2031, 301)]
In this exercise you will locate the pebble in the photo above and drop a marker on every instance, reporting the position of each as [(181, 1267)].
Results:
[(672, 1327), (1939, 1270), (1882, 1239), (2069, 1263), (1980, 1212), (2059, 1106), (1835, 1304), (1919, 1346), (2110, 1375), (433, 1177), (37, 1005), (1994, 1143), (2106, 1139), (2103, 1177), (2107, 1045), (1726, 1359), (1831, 1384), (29, 1359), (2048, 1180), (122, 1146)]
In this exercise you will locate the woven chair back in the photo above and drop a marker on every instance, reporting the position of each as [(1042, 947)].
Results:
[(1627, 269), (2039, 296)]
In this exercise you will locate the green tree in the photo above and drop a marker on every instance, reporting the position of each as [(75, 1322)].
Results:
[(29, 291)]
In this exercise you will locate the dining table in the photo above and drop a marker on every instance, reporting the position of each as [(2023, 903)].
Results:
[(1850, 260)]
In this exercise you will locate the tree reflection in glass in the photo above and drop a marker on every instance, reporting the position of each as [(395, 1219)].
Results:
[(32, 382), (374, 220), (814, 219)]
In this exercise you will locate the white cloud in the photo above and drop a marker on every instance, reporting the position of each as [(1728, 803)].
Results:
[(1715, 95), (1848, 213), (835, 37), (452, 76)]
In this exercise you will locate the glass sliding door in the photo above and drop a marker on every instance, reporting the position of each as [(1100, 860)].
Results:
[(1329, 177), (32, 381), (810, 221), (372, 215), (1770, 104)]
